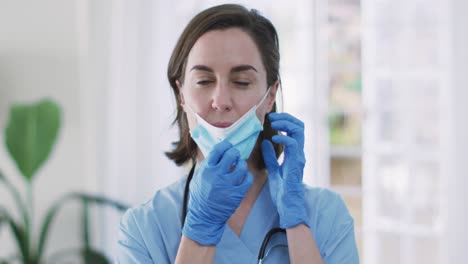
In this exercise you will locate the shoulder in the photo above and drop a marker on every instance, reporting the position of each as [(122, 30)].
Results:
[(152, 229), (330, 221), (165, 201), (324, 201), (327, 208), (163, 208)]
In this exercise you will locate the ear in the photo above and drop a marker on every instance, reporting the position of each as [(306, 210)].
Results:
[(272, 96), (181, 94)]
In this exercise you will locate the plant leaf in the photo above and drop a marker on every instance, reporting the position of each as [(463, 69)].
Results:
[(10, 260), (85, 225), (17, 231), (86, 256), (31, 133), (19, 202), (91, 256), (2, 219), (90, 199)]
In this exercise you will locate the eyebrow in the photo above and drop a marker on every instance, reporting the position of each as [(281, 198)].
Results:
[(239, 68)]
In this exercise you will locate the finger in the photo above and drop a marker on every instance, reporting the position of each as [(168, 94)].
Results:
[(237, 175), (245, 184), (273, 179), (274, 185), (229, 159), (290, 145), (287, 126), (291, 129), (269, 156), (291, 156), (217, 153), (285, 116)]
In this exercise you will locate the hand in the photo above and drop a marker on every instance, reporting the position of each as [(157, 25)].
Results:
[(285, 181), (217, 189)]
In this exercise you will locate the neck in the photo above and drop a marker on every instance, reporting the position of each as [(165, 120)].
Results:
[(260, 175)]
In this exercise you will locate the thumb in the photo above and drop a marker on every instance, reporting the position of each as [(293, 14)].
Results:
[(269, 157), (272, 165), (246, 184)]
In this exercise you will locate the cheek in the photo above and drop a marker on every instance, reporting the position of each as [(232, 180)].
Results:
[(192, 109), (188, 109), (193, 105), (198, 100)]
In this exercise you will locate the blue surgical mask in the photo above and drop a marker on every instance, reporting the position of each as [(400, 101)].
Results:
[(242, 134)]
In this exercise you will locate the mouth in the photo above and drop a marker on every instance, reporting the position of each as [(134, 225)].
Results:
[(222, 124)]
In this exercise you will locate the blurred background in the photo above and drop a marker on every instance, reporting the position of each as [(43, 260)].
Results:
[(380, 85)]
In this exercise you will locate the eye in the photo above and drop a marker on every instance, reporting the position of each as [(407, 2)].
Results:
[(243, 84), (204, 82)]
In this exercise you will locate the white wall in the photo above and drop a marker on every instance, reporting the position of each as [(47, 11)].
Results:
[(38, 58), (136, 104)]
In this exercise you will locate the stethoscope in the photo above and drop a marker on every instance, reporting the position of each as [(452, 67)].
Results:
[(266, 239)]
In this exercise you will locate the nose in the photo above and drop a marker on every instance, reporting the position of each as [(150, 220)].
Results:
[(221, 98)]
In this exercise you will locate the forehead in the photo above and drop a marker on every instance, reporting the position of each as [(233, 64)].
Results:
[(219, 49)]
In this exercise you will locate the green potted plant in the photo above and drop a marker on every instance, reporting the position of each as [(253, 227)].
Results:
[(30, 136)]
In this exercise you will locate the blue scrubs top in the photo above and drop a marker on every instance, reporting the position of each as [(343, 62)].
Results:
[(151, 232)]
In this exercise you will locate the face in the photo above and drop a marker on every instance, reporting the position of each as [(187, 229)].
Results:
[(224, 78)]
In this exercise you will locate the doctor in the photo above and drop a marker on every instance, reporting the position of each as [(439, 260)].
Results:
[(224, 72)]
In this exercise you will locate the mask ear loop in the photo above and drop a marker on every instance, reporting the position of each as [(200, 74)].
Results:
[(279, 97), (279, 101), (186, 102), (198, 118), (264, 96), (263, 99)]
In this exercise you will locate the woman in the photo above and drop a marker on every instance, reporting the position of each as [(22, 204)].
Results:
[(224, 72)]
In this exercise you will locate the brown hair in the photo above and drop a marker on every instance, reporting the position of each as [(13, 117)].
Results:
[(260, 29)]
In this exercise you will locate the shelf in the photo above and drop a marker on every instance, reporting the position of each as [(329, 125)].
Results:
[(345, 152), (402, 227), (347, 190)]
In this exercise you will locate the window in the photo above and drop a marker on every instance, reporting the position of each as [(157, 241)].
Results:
[(345, 105), (405, 81)]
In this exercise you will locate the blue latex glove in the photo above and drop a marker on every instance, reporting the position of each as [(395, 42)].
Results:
[(285, 180), (216, 190)]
